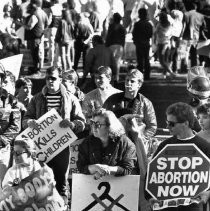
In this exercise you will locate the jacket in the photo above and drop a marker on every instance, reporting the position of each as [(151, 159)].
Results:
[(121, 152), (98, 56), (95, 98), (139, 105), (70, 108)]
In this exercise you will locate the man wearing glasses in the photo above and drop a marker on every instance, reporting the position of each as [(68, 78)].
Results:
[(54, 95), (180, 120)]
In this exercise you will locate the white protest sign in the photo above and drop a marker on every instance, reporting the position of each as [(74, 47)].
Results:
[(13, 64), (108, 193), (74, 156), (49, 138)]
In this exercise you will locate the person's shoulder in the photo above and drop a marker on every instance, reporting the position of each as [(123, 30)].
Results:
[(141, 97), (38, 96), (116, 96), (170, 140), (89, 140), (91, 94), (201, 141), (126, 141)]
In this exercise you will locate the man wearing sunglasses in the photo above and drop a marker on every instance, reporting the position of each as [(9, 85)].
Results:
[(180, 120), (55, 95)]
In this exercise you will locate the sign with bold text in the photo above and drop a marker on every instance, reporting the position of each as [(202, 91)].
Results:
[(49, 138), (178, 171), (74, 156), (36, 192)]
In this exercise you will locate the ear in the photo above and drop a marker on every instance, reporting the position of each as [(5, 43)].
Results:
[(187, 123), (140, 84)]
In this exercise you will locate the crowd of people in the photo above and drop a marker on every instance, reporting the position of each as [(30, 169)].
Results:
[(118, 126)]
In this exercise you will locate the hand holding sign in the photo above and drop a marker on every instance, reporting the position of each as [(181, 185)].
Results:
[(203, 197), (99, 170), (179, 175), (32, 124), (66, 123)]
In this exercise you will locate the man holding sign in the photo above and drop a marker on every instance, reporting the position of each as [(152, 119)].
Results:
[(180, 120), (54, 95)]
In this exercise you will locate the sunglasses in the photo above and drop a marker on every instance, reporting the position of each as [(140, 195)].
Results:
[(96, 124), (171, 124), (51, 78), (15, 153)]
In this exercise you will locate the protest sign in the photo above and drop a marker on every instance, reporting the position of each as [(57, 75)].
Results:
[(36, 192), (74, 157), (49, 138), (13, 64), (108, 193), (178, 173)]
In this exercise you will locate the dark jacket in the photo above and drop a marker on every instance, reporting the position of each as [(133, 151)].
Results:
[(142, 32), (38, 30), (70, 108), (120, 152), (139, 105), (65, 32), (115, 35)]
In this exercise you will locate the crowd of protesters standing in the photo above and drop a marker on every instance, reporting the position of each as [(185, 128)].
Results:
[(160, 30)]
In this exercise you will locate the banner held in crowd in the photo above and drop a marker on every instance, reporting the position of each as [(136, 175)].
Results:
[(177, 174), (36, 192), (107, 193), (50, 139), (74, 156), (13, 64)]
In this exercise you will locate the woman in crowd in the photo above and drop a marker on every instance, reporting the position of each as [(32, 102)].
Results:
[(203, 113), (108, 151), (70, 80), (64, 38), (115, 40), (24, 165), (163, 34)]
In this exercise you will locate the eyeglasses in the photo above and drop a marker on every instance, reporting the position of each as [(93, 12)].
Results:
[(51, 78), (15, 153), (96, 124), (171, 124)]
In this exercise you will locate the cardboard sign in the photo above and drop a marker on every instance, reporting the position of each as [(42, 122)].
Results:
[(178, 173), (108, 193), (13, 64), (49, 138), (36, 192), (74, 157), (27, 57)]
